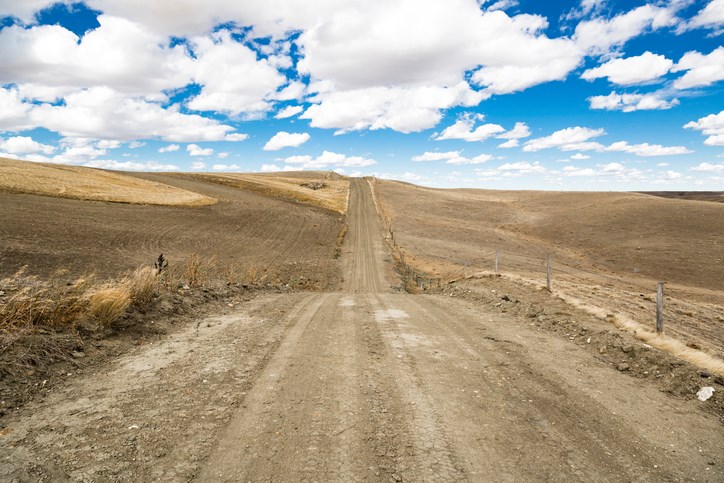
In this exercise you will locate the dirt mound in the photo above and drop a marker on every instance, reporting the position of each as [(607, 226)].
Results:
[(81, 183)]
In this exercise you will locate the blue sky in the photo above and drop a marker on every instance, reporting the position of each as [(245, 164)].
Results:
[(573, 95)]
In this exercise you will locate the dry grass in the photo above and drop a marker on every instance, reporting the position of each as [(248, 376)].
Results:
[(340, 240), (28, 303), (91, 184), (107, 304), (660, 341), (291, 186), (143, 284)]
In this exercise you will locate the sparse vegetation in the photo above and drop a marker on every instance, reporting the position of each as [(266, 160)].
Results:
[(340, 240), (29, 303)]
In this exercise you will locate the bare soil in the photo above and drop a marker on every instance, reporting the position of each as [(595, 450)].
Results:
[(278, 240), (371, 383)]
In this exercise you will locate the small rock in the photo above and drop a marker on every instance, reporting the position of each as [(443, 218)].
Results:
[(705, 393), (627, 348), (506, 298), (602, 349), (623, 367), (77, 354), (705, 374), (133, 426), (588, 341)]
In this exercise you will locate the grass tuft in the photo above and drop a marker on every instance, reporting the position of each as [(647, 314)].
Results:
[(107, 304), (143, 284)]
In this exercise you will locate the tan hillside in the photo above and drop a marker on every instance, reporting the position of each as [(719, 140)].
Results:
[(324, 189), (82, 183)]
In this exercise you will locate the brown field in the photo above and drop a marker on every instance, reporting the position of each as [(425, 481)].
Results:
[(245, 235), (714, 196), (608, 249), (75, 182)]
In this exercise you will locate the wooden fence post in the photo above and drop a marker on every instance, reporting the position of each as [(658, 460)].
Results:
[(548, 272), (660, 308), (497, 259)]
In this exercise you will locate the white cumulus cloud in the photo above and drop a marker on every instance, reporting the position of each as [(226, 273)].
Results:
[(289, 111), (169, 149), (436, 156), (233, 80), (329, 159), (646, 149), (569, 139), (452, 157), (519, 131), (119, 54), (13, 111), (284, 139), (631, 102), (131, 165), (709, 167), (580, 156), (24, 145), (404, 109), (631, 70), (711, 16), (102, 113), (520, 168), (225, 167), (599, 35), (465, 129), (196, 150), (711, 126), (701, 70)]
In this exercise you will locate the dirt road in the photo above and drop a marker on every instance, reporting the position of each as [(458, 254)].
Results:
[(364, 384)]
